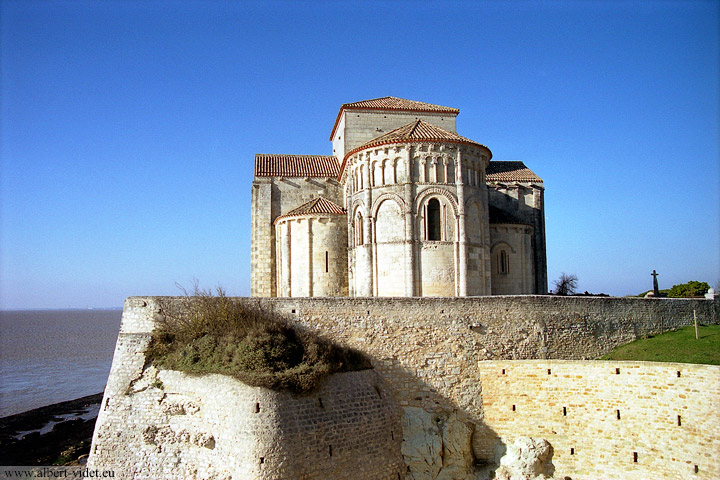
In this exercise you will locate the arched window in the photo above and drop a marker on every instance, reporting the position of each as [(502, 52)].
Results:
[(358, 229), (503, 262), (434, 221)]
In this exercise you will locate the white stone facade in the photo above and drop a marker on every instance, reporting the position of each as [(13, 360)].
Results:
[(426, 212)]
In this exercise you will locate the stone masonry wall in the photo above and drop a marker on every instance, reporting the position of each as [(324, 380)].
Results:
[(629, 420), (428, 352)]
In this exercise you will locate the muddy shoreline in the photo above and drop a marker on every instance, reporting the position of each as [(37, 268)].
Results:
[(57, 434)]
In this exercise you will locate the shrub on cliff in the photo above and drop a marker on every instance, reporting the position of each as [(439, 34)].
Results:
[(205, 333)]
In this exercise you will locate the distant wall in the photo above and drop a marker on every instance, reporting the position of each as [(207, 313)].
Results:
[(629, 420)]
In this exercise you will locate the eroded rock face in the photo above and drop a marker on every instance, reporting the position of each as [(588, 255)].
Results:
[(526, 459), (437, 446)]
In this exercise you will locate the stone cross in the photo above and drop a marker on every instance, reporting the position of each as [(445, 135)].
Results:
[(656, 291)]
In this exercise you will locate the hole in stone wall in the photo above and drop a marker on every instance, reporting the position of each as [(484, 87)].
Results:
[(635, 456), (549, 371), (696, 469), (257, 408), (572, 451), (564, 411), (320, 403), (617, 371), (368, 312), (678, 373), (400, 478), (513, 408), (330, 450), (262, 460), (293, 310), (377, 390), (617, 413), (392, 435), (503, 371), (679, 421), (107, 403)]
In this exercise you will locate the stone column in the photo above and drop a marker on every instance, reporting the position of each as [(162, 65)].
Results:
[(286, 272), (462, 236), (409, 227), (368, 233), (310, 257)]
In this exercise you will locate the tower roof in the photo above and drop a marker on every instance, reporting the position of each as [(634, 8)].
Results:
[(510, 171), (317, 206), (268, 165), (392, 104), (395, 103)]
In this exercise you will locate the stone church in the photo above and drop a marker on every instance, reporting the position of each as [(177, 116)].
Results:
[(404, 206)]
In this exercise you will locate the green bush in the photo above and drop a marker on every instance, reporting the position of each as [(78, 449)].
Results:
[(689, 290), (203, 333)]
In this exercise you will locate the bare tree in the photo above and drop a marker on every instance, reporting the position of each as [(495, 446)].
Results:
[(566, 284)]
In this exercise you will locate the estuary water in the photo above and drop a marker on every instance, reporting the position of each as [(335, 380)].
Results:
[(49, 356)]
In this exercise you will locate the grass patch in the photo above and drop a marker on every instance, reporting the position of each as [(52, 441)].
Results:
[(203, 333), (676, 346)]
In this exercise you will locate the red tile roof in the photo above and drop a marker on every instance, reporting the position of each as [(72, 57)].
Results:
[(417, 131), (296, 165), (393, 104), (320, 206), (513, 171)]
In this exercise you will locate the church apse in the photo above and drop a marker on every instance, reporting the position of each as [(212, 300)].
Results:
[(418, 207)]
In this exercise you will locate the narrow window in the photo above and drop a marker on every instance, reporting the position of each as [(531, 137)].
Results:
[(503, 262), (257, 408), (635, 456), (679, 421), (549, 371), (358, 229), (433, 220), (564, 411), (617, 414), (572, 451), (617, 371), (513, 408), (327, 264)]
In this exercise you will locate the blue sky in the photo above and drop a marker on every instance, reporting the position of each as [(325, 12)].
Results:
[(128, 129)]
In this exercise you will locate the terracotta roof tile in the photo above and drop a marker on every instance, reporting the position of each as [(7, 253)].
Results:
[(316, 206), (513, 171), (296, 165), (393, 104), (417, 131)]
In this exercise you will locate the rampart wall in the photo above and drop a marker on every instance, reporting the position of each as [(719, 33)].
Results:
[(439, 358), (609, 419)]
